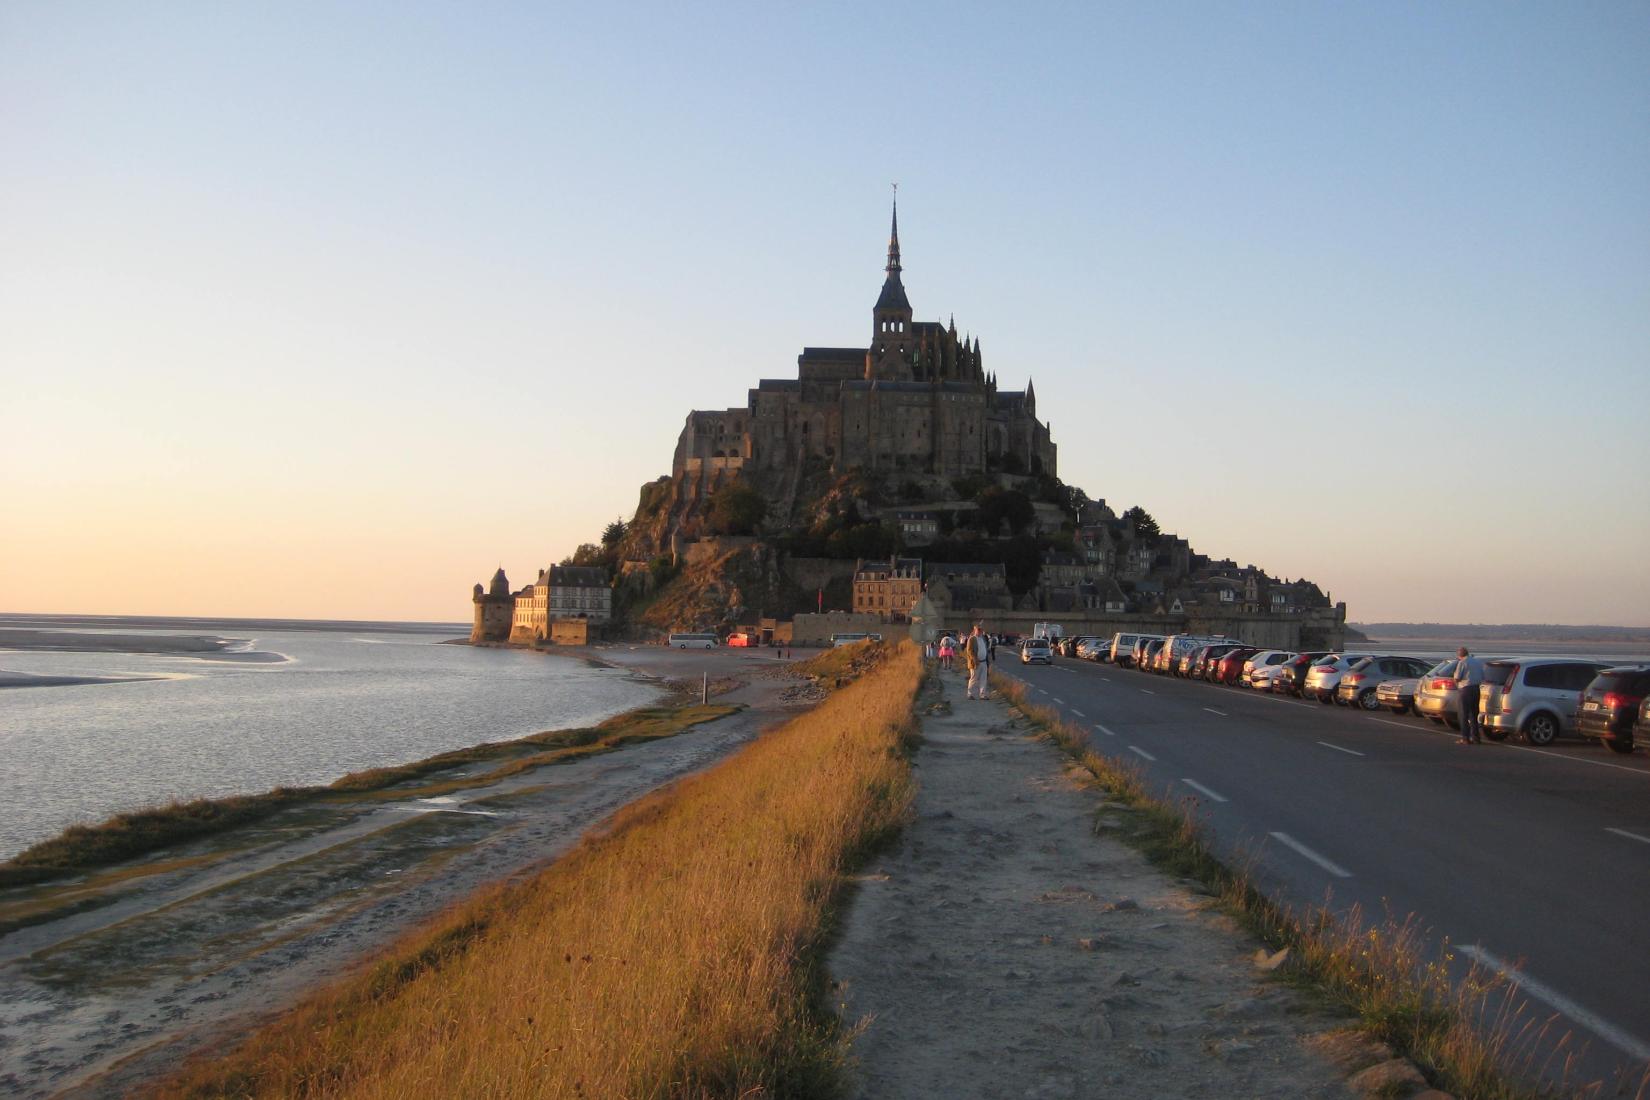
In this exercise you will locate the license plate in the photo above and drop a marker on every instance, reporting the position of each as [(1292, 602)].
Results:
[(1591, 704)]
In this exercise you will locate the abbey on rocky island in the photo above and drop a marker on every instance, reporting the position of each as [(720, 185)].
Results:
[(916, 400)]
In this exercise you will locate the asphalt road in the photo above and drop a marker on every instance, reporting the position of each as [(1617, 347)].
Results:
[(1537, 859)]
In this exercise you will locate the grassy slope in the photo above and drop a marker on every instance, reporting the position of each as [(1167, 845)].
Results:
[(673, 954)]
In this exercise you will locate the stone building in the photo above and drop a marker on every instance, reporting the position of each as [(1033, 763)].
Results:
[(916, 400), (494, 609), (888, 589), (561, 592)]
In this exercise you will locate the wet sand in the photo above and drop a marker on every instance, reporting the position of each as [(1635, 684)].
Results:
[(30, 679), (175, 645)]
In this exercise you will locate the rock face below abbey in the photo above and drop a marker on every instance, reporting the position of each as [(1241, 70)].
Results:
[(899, 465)]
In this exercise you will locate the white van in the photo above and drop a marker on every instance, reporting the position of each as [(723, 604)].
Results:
[(694, 641), (1122, 647)]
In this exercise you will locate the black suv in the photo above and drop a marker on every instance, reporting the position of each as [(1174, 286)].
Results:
[(1610, 706)]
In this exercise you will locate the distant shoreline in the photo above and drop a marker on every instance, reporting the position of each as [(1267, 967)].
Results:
[(169, 622), (204, 646)]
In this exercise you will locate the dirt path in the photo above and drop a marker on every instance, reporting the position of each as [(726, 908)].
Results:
[(1003, 949), (219, 934)]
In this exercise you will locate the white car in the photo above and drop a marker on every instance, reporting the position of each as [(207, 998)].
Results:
[(1036, 649), (1266, 677), (1265, 659)]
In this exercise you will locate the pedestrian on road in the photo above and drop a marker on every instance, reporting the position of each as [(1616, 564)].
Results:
[(1469, 679), (977, 655)]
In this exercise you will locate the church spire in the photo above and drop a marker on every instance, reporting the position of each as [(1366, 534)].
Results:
[(893, 267)]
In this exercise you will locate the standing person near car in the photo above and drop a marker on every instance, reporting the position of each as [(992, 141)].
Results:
[(1469, 679), (977, 655)]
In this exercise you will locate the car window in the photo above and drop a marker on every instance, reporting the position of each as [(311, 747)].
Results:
[(1501, 674), (1577, 677)]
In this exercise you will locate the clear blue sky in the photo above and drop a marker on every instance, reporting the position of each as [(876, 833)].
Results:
[(327, 309)]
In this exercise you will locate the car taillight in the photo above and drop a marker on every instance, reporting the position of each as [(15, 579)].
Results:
[(1355, 678), (1443, 683), (1614, 699)]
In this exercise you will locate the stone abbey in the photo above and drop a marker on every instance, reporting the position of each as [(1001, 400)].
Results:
[(916, 400)]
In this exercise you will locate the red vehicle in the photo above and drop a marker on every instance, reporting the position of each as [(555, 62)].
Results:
[(740, 639), (1230, 669)]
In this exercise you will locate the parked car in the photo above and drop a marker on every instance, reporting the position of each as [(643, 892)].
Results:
[(1145, 651), (1093, 649), (1123, 647), (1206, 653), (1357, 686), (1437, 697), (1398, 696), (1033, 650), (1268, 678), (1325, 675), (1266, 658), (1611, 704), (741, 639), (1641, 728), (1291, 680), (1536, 698), (1229, 669)]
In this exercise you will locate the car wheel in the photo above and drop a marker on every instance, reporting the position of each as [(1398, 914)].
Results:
[(1540, 729), (1368, 700), (1623, 745)]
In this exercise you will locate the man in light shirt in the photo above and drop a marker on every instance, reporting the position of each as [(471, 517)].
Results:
[(1469, 679)]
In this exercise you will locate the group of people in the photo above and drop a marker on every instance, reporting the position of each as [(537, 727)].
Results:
[(977, 652)]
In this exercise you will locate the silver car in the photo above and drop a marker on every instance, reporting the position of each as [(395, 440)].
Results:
[(1266, 658), (1325, 675), (1536, 698), (1437, 697)]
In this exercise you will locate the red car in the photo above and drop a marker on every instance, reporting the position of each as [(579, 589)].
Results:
[(1230, 670), (741, 639)]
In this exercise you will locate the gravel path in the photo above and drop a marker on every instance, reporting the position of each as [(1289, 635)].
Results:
[(1004, 948)]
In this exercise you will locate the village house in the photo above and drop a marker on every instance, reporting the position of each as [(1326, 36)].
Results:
[(888, 589)]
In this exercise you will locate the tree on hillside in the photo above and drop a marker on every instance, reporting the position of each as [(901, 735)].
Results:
[(998, 506), (1142, 522), (736, 509), (588, 553), (614, 534)]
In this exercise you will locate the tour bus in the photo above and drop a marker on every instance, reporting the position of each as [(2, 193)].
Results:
[(1122, 647), (850, 639), (694, 641)]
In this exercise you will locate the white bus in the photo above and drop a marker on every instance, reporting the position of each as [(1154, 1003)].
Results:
[(851, 639), (694, 641)]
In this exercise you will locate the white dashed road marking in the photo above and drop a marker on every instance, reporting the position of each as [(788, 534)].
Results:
[(1300, 849), (1204, 791), (1212, 710), (1630, 836), (1104, 730), (1057, 700), (1138, 751), (1337, 748), (1079, 713), (1599, 1026), (1147, 691)]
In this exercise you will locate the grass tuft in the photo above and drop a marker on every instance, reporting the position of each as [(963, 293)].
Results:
[(1463, 1034), (675, 952)]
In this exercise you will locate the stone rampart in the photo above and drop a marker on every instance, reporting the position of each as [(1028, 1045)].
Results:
[(817, 629)]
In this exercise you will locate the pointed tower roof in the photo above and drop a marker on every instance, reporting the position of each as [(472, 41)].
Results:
[(893, 291)]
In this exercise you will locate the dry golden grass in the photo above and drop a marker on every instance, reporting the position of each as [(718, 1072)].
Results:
[(675, 954)]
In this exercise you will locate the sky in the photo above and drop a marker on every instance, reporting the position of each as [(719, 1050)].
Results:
[(327, 311)]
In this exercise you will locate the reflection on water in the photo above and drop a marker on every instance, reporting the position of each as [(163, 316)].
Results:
[(204, 727)]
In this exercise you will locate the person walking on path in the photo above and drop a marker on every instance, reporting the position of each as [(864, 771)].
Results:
[(1469, 679), (947, 650), (977, 655)]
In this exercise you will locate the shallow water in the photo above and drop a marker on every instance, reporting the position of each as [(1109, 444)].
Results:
[(336, 703)]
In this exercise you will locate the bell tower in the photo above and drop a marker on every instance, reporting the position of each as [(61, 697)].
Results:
[(893, 343)]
